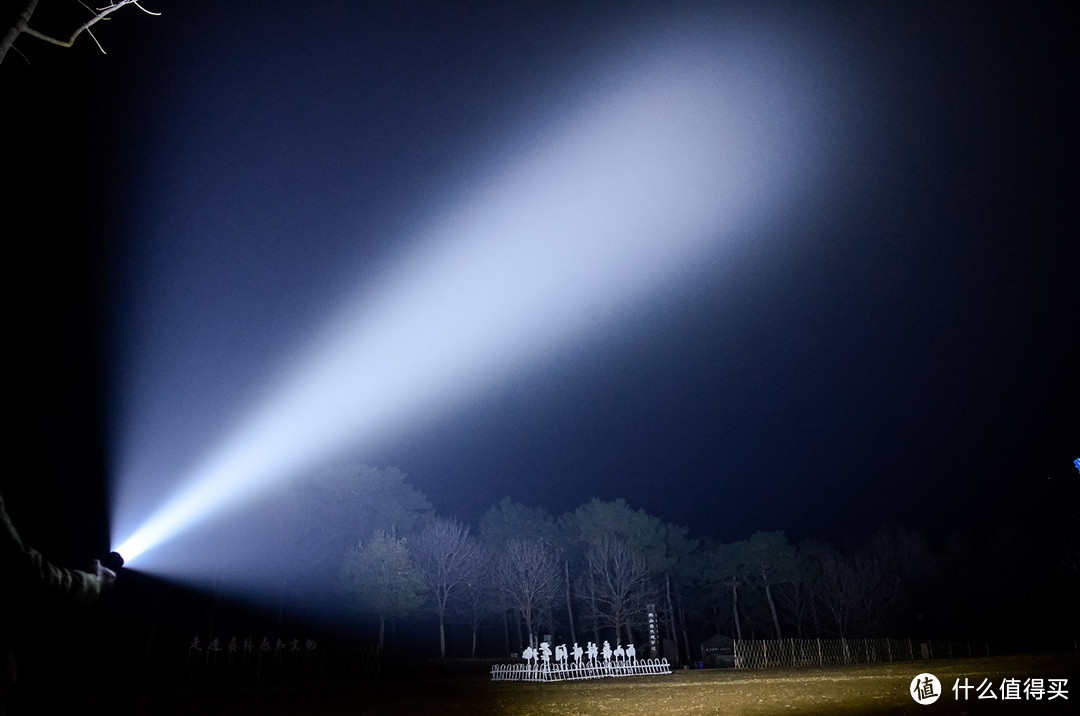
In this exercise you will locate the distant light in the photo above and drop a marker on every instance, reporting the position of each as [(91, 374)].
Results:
[(672, 159), (1077, 463)]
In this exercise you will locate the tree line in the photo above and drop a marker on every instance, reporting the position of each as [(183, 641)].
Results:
[(592, 573)]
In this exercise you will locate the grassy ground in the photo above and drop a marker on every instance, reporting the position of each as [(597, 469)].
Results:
[(865, 689)]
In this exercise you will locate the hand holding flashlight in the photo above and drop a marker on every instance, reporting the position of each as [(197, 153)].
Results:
[(105, 569)]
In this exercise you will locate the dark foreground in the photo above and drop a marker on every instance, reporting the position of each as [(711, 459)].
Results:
[(866, 689)]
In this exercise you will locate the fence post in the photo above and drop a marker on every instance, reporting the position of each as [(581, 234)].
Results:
[(820, 661)]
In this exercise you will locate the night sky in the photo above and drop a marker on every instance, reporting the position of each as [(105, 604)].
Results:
[(896, 342)]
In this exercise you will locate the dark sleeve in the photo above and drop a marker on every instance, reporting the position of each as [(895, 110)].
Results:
[(30, 573)]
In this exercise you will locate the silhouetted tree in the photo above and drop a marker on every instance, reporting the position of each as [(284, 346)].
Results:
[(617, 584), (478, 597), (769, 559), (857, 593), (446, 557), (380, 581), (724, 567), (796, 595), (906, 555), (528, 574), (316, 520), (658, 544), (508, 520)]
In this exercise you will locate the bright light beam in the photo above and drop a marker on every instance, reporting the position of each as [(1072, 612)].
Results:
[(610, 205)]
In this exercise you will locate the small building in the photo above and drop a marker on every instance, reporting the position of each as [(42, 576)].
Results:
[(718, 652)]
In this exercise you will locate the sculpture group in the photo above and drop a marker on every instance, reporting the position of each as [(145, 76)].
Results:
[(577, 663)]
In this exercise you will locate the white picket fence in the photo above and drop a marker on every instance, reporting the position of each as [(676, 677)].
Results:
[(579, 670)]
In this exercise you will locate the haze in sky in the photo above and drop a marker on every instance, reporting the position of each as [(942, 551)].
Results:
[(879, 323)]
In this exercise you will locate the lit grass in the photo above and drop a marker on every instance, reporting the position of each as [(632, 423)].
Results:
[(861, 689)]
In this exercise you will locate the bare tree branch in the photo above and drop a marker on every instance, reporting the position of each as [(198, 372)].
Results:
[(528, 574), (618, 583), (446, 556), (22, 25)]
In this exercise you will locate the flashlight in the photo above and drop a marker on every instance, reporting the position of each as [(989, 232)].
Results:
[(113, 561)]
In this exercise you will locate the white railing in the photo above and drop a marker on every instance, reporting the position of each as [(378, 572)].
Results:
[(579, 670)]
